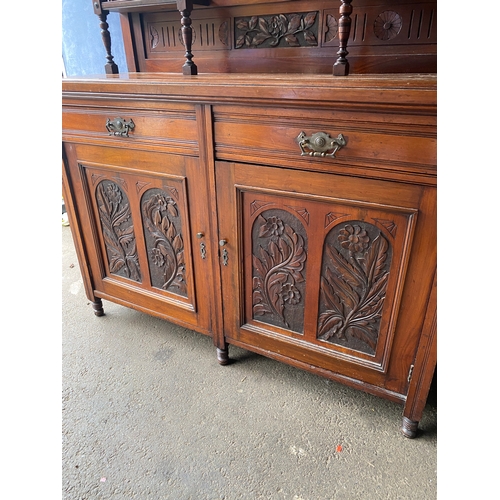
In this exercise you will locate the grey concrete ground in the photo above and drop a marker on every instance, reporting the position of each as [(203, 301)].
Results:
[(149, 414)]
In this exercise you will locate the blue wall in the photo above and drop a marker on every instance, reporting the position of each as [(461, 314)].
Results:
[(82, 49)]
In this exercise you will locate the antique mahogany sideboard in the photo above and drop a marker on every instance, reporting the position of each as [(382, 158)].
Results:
[(279, 194)]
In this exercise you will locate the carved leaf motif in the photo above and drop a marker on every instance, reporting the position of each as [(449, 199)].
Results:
[(310, 38), (294, 23), (167, 251), (117, 230), (277, 269), (259, 266), (366, 335), (331, 299), (240, 41), (123, 215), (374, 258), (260, 38), (275, 253), (275, 283), (255, 31), (344, 268), (309, 19), (263, 26), (348, 296), (353, 289), (292, 40), (243, 25), (330, 323)]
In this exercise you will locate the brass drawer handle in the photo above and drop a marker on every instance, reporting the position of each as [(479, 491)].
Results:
[(320, 144), (119, 126)]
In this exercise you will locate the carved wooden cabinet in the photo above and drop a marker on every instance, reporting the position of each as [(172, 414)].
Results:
[(289, 214), (143, 233)]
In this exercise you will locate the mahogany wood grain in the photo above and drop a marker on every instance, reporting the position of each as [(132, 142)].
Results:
[(325, 263), (278, 37)]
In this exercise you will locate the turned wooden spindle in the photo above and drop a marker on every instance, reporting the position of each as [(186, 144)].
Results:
[(341, 67), (185, 7), (110, 67)]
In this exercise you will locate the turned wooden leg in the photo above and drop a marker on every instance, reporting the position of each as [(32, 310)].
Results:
[(223, 356), (97, 307), (409, 428)]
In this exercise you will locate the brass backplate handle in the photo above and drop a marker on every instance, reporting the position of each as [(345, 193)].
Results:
[(119, 126), (320, 144)]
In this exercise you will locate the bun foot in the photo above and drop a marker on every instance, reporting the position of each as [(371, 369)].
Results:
[(409, 428), (223, 356), (97, 307)]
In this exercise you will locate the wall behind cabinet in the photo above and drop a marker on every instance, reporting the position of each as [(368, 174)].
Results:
[(82, 48)]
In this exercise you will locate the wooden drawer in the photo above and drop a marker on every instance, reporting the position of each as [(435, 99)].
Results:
[(173, 129), (393, 146)]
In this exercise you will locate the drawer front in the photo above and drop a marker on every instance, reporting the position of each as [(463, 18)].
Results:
[(373, 144), (173, 130)]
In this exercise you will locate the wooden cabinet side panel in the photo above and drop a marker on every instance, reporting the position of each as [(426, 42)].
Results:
[(68, 155), (425, 362)]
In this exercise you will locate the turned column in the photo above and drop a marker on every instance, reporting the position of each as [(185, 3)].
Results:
[(341, 67), (185, 7), (110, 67)]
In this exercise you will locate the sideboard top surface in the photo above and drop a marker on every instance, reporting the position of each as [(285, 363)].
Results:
[(413, 90)]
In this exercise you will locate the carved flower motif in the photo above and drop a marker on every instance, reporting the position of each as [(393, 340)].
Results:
[(157, 257), (272, 227), (113, 194), (387, 25), (278, 25), (353, 238), (289, 293), (166, 205)]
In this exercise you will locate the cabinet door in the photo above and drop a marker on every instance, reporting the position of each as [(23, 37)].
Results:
[(143, 223), (316, 269)]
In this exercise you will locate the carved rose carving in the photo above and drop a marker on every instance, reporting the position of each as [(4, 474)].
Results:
[(255, 31)]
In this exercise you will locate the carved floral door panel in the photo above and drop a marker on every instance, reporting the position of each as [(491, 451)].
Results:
[(322, 271), (142, 233)]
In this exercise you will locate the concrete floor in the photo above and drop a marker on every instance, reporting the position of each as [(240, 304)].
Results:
[(148, 413)]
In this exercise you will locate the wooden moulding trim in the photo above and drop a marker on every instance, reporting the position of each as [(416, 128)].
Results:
[(189, 149), (356, 93), (376, 106), (360, 168)]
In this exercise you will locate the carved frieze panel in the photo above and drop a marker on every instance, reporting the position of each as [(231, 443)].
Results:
[(279, 253), (279, 30), (118, 230), (162, 224), (374, 25), (166, 36), (355, 272)]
